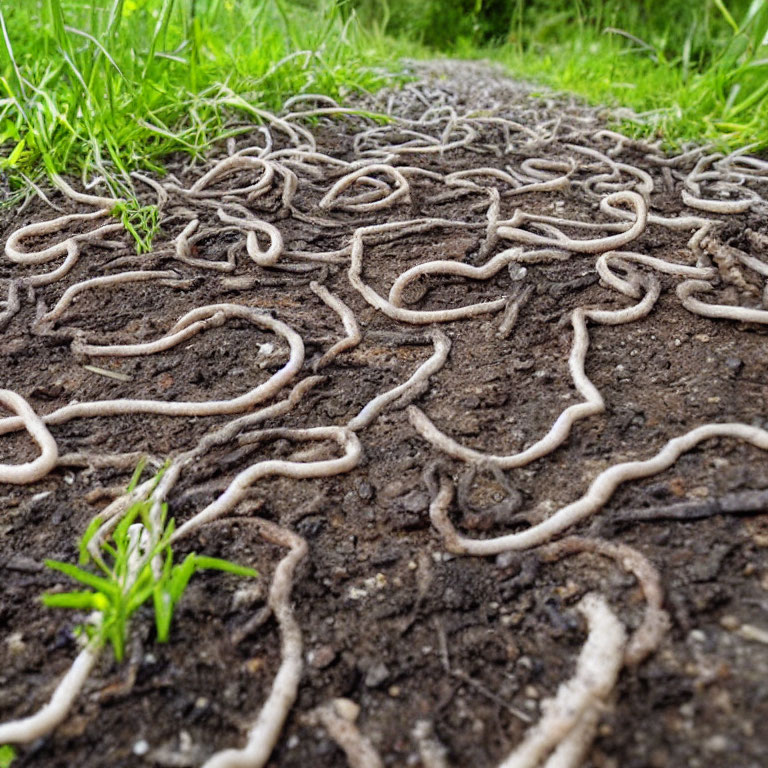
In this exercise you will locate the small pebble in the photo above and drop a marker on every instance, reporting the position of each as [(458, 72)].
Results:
[(734, 364), (376, 675), (730, 622), (718, 743), (140, 748), (346, 709), (321, 657)]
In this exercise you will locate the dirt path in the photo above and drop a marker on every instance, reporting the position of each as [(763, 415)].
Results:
[(368, 410)]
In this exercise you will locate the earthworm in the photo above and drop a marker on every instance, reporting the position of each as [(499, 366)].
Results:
[(228, 165), (49, 716), (442, 347), (593, 401), (12, 244), (265, 731), (180, 408), (12, 304), (235, 492), (348, 320), (488, 269), (685, 293), (332, 199), (49, 453), (418, 317), (185, 241), (716, 206), (600, 491), (266, 258), (97, 282), (338, 718), (598, 245), (597, 669), (646, 638), (512, 311)]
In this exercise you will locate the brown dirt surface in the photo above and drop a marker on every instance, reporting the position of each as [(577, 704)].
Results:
[(388, 618)]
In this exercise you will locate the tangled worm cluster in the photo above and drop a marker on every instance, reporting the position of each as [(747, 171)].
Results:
[(501, 182)]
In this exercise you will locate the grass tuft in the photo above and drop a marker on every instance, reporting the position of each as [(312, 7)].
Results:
[(104, 87), (140, 221), (136, 564)]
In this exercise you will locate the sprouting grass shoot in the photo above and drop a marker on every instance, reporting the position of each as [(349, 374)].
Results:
[(133, 571), (7, 755)]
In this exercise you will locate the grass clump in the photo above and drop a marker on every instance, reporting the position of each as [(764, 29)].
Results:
[(130, 575), (7, 755), (104, 87), (140, 221)]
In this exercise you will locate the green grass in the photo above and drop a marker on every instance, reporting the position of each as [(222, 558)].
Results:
[(7, 755), (104, 87), (695, 70), (128, 578), (707, 80)]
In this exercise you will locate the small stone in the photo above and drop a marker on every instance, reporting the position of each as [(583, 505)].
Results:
[(15, 643), (718, 743), (755, 634), (730, 623), (321, 657), (415, 501), (394, 691), (376, 675), (734, 364), (346, 709), (365, 490), (254, 665), (140, 748)]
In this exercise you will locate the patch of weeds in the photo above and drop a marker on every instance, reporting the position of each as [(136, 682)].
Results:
[(7, 755), (141, 221), (104, 87), (135, 566)]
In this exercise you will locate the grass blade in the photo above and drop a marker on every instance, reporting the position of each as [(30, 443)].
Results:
[(217, 564), (81, 601), (106, 586), (9, 52)]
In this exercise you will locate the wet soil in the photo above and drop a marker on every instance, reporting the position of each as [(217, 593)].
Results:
[(388, 618)]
